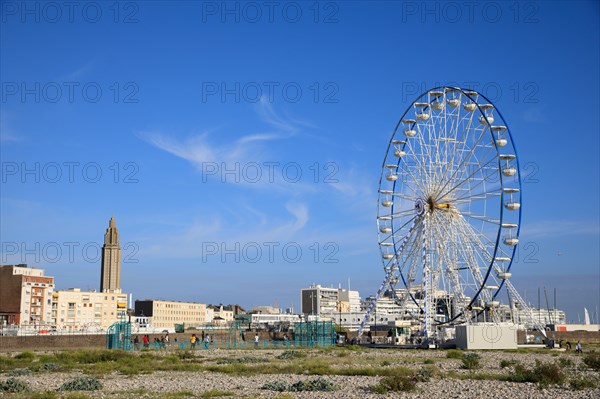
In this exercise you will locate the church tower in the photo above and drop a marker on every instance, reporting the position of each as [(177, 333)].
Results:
[(110, 279)]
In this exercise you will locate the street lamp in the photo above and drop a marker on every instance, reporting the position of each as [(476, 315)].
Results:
[(375, 321), (339, 303)]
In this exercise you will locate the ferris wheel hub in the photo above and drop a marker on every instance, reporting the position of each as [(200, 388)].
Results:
[(419, 207)]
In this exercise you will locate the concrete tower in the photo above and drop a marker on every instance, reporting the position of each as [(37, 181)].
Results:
[(110, 279)]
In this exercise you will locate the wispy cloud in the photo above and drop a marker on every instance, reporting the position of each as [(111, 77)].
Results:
[(80, 72), (534, 114), (6, 137), (7, 134), (188, 242), (200, 149)]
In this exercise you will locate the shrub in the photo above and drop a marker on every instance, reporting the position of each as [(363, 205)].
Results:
[(543, 374), (429, 361), (380, 389), (19, 372), (579, 382), (27, 355), (314, 385), (286, 355), (470, 361), (507, 363), (183, 355), (454, 354), (49, 367), (245, 359), (386, 363), (278, 386), (398, 383), (13, 385), (81, 384), (592, 360), (214, 393), (317, 384), (565, 362), (427, 373)]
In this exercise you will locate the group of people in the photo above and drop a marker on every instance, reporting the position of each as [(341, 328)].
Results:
[(206, 340), (568, 346), (145, 342), (160, 343)]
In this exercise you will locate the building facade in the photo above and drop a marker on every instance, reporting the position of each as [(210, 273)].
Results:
[(316, 300), (77, 310), (222, 314), (25, 296), (165, 314), (110, 275)]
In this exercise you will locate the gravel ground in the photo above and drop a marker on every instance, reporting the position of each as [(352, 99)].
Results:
[(197, 383)]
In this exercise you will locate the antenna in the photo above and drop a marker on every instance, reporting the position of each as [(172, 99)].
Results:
[(555, 304), (539, 306)]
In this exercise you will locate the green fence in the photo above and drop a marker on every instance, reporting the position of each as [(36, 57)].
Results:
[(314, 333), (118, 336)]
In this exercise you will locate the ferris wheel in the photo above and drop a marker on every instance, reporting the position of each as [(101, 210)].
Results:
[(449, 208)]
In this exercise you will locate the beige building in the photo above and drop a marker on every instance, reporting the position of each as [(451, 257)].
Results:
[(78, 310), (222, 314), (25, 296), (165, 314)]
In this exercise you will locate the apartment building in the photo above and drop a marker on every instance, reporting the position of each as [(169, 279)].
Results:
[(25, 296), (78, 310)]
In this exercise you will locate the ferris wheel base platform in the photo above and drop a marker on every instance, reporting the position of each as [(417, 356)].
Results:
[(486, 336)]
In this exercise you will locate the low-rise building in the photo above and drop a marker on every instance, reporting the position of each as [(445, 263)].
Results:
[(165, 314), (222, 314), (78, 310), (25, 296), (265, 310)]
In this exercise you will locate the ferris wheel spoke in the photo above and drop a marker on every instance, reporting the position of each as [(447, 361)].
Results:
[(402, 213), (482, 218), (459, 175), (459, 184), (394, 232), (483, 195), (463, 160), (416, 182), (411, 198), (418, 158)]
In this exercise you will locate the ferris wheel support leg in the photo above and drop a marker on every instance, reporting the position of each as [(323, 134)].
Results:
[(430, 308), (516, 298), (373, 303)]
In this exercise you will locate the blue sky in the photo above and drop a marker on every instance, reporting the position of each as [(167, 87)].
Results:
[(143, 110)]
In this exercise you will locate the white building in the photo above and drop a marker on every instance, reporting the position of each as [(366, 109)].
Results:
[(319, 300)]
